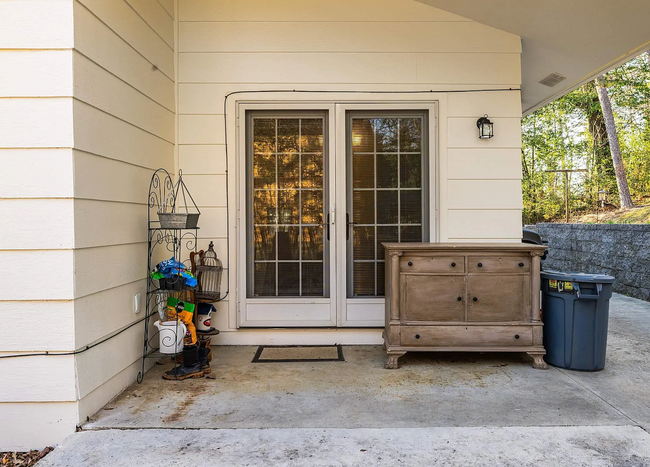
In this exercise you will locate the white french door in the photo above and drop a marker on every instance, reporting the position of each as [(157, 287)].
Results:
[(323, 189)]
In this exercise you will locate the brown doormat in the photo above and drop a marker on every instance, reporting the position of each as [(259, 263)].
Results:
[(298, 353)]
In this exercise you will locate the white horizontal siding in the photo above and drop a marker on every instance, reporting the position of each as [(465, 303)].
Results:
[(26, 220), (96, 87), (207, 190), (26, 426), (125, 21), (208, 98), (488, 164), (99, 364), (36, 123), (92, 322), (155, 15), (38, 379), (168, 5), (202, 159), (484, 224), (98, 269), (96, 399), (36, 173), (101, 44), (201, 129), (54, 269), (484, 194), (47, 323), (36, 73), (36, 24), (100, 133), (428, 68), (95, 222), (213, 223), (475, 104), (344, 37), (101, 178)]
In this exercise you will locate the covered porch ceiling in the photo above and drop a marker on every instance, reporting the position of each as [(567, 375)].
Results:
[(579, 39)]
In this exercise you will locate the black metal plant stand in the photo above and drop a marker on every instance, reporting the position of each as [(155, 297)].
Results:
[(164, 242)]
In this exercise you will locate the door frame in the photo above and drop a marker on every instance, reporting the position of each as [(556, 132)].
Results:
[(336, 105), (325, 316)]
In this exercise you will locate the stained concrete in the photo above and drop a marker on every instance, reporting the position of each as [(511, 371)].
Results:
[(517, 447), (430, 391)]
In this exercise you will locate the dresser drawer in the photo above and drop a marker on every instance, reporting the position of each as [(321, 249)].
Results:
[(466, 336), (496, 264), (432, 264)]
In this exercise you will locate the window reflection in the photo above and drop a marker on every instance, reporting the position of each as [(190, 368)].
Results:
[(386, 197), (288, 205)]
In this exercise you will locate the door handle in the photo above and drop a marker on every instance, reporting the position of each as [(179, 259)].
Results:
[(327, 223), (347, 226)]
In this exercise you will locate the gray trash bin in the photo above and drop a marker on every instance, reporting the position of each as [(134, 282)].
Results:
[(575, 312)]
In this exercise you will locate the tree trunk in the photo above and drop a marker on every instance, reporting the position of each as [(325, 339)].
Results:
[(619, 168)]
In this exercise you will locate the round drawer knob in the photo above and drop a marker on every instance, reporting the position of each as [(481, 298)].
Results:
[(460, 299), (410, 263), (475, 299), (521, 265), (480, 265), (453, 265), (417, 336), (516, 336)]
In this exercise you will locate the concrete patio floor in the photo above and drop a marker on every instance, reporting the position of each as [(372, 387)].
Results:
[(438, 409)]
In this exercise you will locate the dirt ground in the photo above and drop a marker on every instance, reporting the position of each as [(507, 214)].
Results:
[(637, 215), (22, 459)]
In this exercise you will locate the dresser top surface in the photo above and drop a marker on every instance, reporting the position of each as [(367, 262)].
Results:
[(464, 246)]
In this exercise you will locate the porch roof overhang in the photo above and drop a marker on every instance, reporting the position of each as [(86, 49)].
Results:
[(579, 39)]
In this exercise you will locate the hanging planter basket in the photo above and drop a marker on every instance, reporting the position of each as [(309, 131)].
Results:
[(171, 215), (171, 220)]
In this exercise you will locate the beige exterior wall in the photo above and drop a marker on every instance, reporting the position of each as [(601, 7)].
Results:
[(37, 394), (386, 45), (87, 113), (124, 128)]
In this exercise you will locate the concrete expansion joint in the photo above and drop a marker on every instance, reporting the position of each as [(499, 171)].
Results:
[(634, 422)]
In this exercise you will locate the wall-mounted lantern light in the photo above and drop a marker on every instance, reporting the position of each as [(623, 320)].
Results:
[(485, 127)]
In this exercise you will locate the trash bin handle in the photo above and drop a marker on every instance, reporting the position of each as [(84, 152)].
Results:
[(579, 294)]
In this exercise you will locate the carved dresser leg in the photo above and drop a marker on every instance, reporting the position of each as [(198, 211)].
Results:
[(393, 360), (538, 361)]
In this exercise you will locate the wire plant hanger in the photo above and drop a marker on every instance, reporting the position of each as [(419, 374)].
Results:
[(169, 212)]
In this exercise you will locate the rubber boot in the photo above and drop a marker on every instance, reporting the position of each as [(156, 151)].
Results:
[(205, 355), (191, 367)]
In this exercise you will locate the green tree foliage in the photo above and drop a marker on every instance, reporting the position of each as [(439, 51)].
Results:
[(570, 133)]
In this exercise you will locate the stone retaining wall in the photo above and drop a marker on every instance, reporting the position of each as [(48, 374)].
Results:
[(620, 250)]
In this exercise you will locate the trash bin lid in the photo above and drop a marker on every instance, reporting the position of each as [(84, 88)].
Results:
[(577, 277)]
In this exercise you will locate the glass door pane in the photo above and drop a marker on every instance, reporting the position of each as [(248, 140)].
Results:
[(386, 192), (287, 233)]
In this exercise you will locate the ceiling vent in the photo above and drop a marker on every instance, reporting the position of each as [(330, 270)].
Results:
[(552, 80)]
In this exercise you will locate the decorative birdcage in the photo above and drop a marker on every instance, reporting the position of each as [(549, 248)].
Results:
[(170, 213), (209, 270)]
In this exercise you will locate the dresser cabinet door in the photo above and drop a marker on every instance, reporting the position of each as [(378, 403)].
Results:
[(433, 298), (497, 298)]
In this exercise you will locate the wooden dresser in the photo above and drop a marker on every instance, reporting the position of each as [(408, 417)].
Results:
[(479, 297)]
